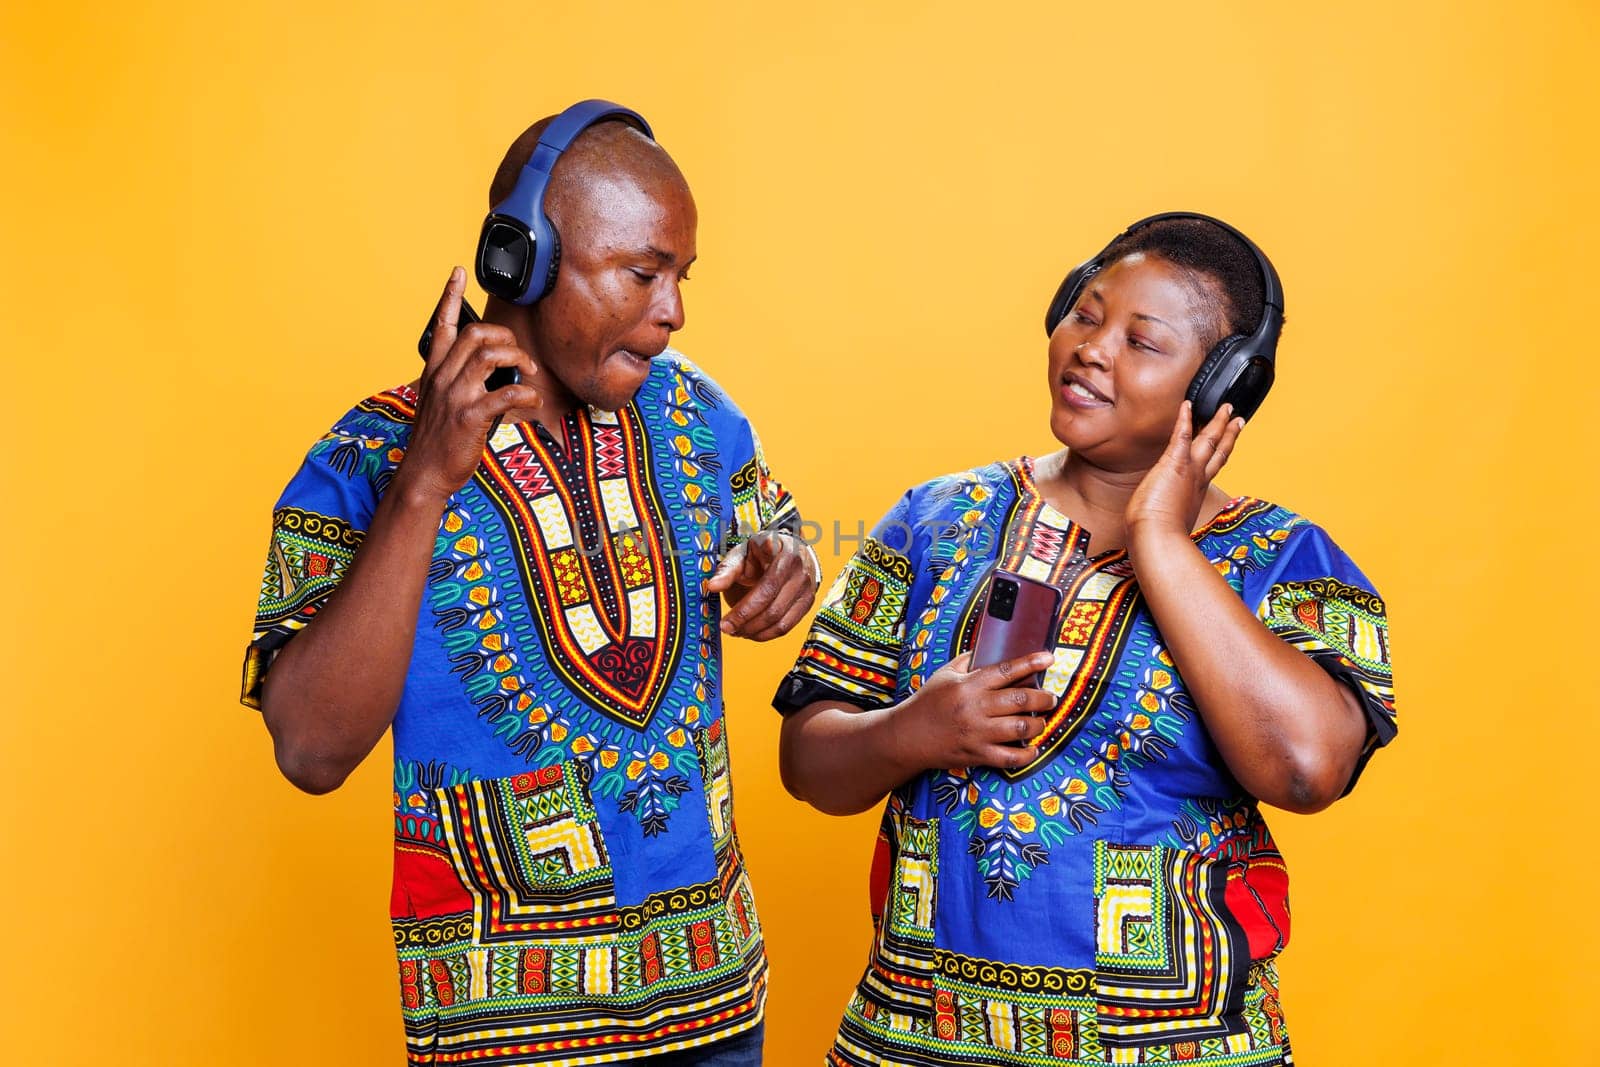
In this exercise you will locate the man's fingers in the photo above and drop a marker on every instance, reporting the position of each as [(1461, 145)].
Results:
[(446, 314), (728, 569), (759, 599), (790, 606)]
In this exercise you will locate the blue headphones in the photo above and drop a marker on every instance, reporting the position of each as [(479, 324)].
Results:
[(1239, 369), (519, 250)]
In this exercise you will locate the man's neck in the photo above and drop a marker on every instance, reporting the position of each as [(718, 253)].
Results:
[(559, 402)]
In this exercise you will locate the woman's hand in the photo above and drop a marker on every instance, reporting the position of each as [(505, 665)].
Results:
[(967, 718), (1172, 493), (455, 409)]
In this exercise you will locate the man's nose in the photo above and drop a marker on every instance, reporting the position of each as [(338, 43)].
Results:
[(668, 309)]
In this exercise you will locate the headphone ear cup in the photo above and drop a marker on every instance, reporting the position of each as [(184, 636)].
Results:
[(1233, 373), (1209, 385), (1067, 294)]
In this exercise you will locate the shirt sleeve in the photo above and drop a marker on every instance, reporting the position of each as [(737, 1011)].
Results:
[(852, 653), (317, 525), (1316, 599)]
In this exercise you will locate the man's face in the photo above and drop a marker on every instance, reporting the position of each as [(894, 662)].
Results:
[(625, 252)]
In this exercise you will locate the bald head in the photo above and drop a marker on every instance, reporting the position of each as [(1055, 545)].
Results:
[(606, 157)]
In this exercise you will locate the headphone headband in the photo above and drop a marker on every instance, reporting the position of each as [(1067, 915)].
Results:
[(1240, 368), (519, 250)]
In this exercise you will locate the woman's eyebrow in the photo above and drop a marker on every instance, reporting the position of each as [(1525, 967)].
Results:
[(1152, 318)]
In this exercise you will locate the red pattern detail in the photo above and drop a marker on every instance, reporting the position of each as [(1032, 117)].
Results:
[(944, 1014), (534, 781), (1045, 543), (1063, 1043), (443, 986), (524, 468), (650, 959), (425, 885), (609, 457), (535, 970), (1258, 897), (703, 945), (410, 984), (870, 591)]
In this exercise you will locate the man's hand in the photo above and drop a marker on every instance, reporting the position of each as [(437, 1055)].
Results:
[(974, 718), (455, 410), (768, 584)]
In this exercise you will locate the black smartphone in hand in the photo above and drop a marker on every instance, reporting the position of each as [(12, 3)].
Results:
[(499, 377), (1019, 617)]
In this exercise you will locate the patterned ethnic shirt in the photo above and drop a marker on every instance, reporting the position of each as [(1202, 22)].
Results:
[(568, 887), (1119, 899)]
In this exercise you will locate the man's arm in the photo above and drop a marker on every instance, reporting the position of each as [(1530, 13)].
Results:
[(333, 690)]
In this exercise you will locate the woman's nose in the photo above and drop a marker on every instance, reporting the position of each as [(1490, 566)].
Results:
[(1092, 352)]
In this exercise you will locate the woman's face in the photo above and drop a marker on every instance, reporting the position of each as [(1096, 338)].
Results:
[(1121, 361)]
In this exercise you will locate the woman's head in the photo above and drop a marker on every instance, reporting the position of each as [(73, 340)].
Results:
[(1122, 357)]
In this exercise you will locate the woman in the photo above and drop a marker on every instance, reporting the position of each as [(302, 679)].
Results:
[(1080, 873)]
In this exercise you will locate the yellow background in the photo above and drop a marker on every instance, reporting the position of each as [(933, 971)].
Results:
[(222, 226)]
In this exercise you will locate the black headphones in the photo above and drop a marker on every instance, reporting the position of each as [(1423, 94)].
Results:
[(1239, 369)]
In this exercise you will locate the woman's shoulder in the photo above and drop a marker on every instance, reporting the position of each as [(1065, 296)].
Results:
[(959, 492)]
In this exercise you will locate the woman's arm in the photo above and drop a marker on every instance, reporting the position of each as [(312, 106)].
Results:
[(843, 759), (1287, 730)]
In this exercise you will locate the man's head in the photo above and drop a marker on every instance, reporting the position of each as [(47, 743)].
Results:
[(627, 223)]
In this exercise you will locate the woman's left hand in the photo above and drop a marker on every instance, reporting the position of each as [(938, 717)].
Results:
[(1170, 497)]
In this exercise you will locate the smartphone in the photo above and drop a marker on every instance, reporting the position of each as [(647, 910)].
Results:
[(499, 377), (1019, 617)]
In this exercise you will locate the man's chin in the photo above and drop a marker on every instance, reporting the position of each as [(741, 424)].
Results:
[(621, 377)]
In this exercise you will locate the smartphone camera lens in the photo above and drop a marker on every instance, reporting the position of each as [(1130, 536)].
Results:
[(1003, 599)]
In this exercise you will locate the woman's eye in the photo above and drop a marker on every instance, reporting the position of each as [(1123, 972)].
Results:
[(642, 277), (1078, 316)]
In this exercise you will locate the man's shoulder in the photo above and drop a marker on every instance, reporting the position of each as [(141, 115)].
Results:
[(678, 382)]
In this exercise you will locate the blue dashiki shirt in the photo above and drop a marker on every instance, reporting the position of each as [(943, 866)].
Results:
[(1119, 899), (567, 883)]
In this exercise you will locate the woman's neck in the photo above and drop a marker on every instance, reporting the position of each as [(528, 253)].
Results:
[(1093, 497)]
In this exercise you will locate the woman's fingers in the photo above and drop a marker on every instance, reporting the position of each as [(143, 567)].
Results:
[(1224, 448)]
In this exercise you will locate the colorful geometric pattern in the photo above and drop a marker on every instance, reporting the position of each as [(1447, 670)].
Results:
[(308, 556), (1182, 895), (592, 546), (853, 643), (1170, 957), (568, 886), (543, 965)]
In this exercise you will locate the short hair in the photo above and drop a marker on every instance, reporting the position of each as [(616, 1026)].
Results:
[(1205, 251)]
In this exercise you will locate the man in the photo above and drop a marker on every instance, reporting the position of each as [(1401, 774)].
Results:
[(538, 621)]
